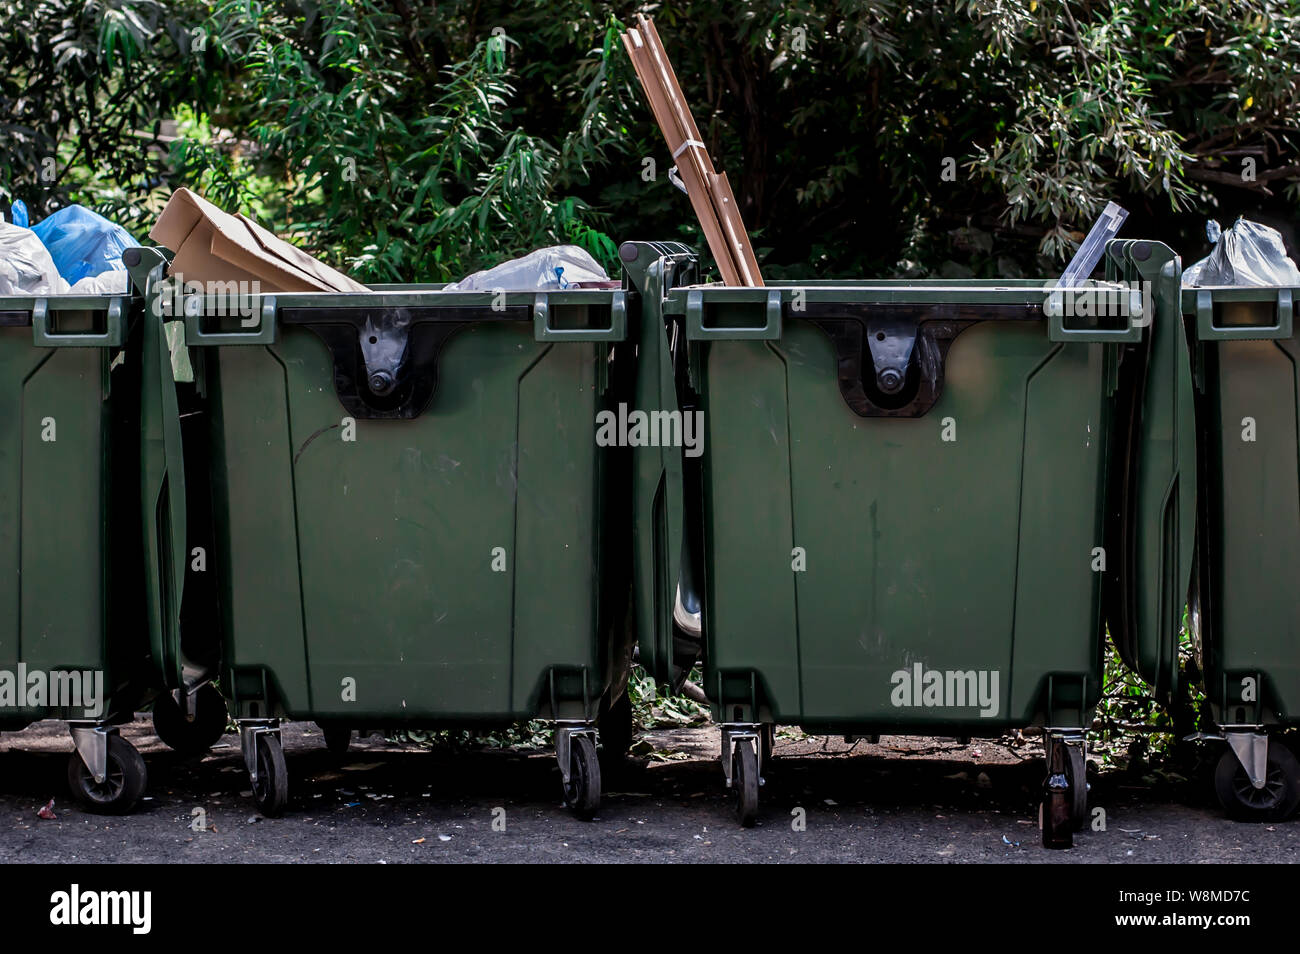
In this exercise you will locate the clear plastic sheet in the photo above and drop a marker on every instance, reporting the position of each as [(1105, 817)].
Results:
[(547, 269), (1246, 254), (1093, 246)]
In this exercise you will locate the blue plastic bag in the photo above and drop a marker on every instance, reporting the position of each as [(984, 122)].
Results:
[(83, 243)]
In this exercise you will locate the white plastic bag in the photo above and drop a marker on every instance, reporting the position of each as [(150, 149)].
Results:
[(1246, 254), (552, 268), (112, 282), (26, 267)]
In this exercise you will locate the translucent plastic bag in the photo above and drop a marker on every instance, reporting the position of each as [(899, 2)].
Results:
[(82, 242), (113, 282), (26, 267), (555, 267), (1246, 254)]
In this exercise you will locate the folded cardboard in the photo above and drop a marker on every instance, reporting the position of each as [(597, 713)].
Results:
[(710, 193), (213, 246)]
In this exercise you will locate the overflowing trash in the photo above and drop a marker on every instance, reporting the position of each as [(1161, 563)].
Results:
[(211, 245), (547, 269), (74, 251), (1246, 254)]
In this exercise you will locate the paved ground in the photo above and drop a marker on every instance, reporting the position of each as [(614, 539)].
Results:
[(925, 800)]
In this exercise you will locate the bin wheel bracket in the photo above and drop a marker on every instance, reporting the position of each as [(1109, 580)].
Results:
[(575, 748), (565, 733), (742, 754), (249, 730), (91, 742), (1251, 749), (733, 735)]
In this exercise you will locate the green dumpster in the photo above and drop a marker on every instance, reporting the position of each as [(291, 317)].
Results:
[(902, 494), (412, 520), (1245, 606), (665, 605), (85, 515), (1151, 525)]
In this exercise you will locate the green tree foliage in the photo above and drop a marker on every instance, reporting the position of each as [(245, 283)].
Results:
[(406, 139), (399, 139), (83, 87)]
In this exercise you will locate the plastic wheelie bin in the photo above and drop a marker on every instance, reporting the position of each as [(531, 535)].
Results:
[(412, 520), (1151, 526), (1245, 609), (84, 520), (665, 605), (902, 494)]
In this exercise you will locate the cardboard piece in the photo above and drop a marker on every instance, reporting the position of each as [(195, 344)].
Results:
[(710, 193), (213, 246)]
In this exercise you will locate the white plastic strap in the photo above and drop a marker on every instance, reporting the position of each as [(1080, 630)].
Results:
[(687, 145)]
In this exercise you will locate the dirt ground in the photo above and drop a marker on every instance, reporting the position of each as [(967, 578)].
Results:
[(902, 800)]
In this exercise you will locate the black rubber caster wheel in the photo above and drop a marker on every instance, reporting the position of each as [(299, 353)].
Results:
[(616, 729), (191, 736), (123, 784), (744, 783), (1076, 769), (337, 739), (271, 790), (1272, 803), (582, 791)]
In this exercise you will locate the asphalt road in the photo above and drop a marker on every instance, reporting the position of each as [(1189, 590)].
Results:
[(903, 800)]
